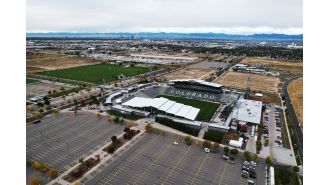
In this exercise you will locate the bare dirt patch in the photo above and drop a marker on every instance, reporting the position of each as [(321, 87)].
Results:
[(38, 62), (43, 88), (295, 90), (281, 65), (190, 73), (257, 83)]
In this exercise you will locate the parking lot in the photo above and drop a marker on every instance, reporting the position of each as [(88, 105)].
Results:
[(156, 160), (62, 139)]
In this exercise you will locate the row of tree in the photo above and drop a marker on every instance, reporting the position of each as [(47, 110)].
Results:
[(213, 135), (178, 126)]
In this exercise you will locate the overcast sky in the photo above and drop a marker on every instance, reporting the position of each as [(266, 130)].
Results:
[(218, 16)]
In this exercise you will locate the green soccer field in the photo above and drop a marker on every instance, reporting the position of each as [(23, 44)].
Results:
[(97, 74), (207, 109), (29, 81)]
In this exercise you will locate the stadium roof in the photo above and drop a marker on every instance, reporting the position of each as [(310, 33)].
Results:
[(202, 82), (166, 105), (248, 111), (110, 97)]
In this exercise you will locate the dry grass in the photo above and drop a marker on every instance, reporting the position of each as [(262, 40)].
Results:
[(257, 83), (281, 65), (190, 73), (295, 89), (38, 62)]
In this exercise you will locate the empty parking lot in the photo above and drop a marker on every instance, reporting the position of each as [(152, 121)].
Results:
[(155, 160), (62, 139)]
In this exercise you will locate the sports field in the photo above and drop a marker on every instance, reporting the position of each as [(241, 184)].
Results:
[(28, 81), (207, 109), (97, 74), (295, 90)]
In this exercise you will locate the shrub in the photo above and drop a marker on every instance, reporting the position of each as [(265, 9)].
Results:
[(255, 157), (207, 144), (35, 181), (52, 173), (213, 135), (114, 139), (188, 139), (234, 151), (226, 149), (41, 110), (269, 160), (295, 169), (81, 160), (36, 165), (258, 145), (215, 147), (247, 155), (116, 120), (110, 149), (148, 127)]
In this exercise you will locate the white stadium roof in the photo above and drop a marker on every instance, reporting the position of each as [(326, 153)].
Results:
[(198, 81), (248, 111), (166, 105)]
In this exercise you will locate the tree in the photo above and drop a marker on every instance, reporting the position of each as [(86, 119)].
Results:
[(247, 155), (215, 147), (243, 128), (266, 142), (148, 128), (52, 173), (41, 110), (207, 144), (29, 107), (126, 129), (81, 160), (188, 139), (234, 151), (76, 183), (109, 118), (258, 145), (36, 165), (255, 157), (35, 181), (116, 120), (269, 160), (43, 166), (114, 139), (98, 114), (295, 169), (226, 149)]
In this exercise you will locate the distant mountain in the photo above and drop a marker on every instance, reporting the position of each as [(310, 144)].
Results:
[(163, 35)]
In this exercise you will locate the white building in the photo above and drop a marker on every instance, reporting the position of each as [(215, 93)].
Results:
[(247, 111)]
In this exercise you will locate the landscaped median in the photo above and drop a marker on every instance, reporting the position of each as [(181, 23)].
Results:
[(94, 160)]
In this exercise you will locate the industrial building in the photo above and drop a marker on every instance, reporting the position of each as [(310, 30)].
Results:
[(247, 111)]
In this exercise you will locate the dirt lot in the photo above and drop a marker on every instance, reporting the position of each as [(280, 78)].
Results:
[(295, 89), (43, 88), (281, 65), (190, 73), (258, 83), (38, 62), (266, 98)]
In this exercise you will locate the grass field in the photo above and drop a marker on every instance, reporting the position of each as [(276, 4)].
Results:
[(207, 109), (295, 90), (95, 73), (29, 81)]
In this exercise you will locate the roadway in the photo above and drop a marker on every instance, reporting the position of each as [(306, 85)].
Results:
[(296, 126)]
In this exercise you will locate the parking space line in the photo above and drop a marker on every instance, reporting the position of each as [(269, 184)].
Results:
[(200, 168), (223, 173)]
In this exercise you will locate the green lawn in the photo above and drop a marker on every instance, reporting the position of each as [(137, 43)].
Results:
[(207, 109), (95, 73), (29, 81)]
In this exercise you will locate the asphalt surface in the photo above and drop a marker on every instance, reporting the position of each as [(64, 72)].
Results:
[(156, 160), (293, 116), (61, 140)]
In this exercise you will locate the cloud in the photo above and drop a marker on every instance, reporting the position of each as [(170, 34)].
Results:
[(219, 16)]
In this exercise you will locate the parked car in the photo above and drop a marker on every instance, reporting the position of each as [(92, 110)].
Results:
[(206, 150), (225, 157)]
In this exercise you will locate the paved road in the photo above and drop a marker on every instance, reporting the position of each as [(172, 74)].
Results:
[(293, 116)]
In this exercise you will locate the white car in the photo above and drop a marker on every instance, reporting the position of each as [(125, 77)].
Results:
[(206, 150), (176, 143)]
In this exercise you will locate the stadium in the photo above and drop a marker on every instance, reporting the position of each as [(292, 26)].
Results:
[(188, 101)]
